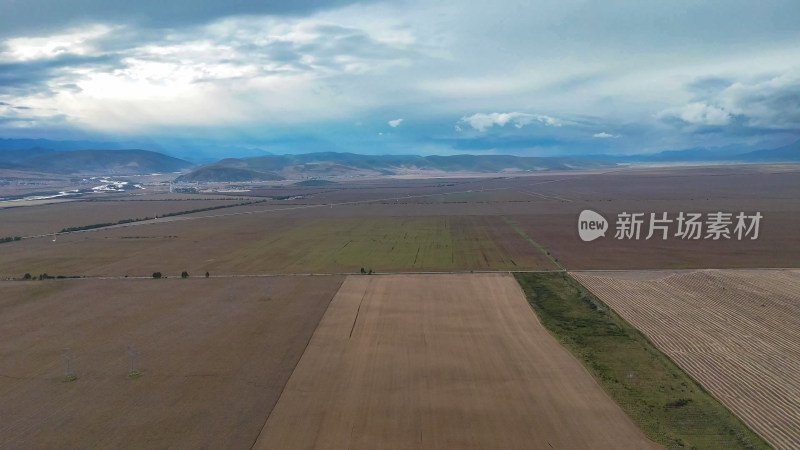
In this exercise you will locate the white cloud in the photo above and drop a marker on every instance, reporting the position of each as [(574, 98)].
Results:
[(703, 114), (604, 135), (73, 41), (482, 122), (698, 113), (395, 123), (756, 102), (774, 103)]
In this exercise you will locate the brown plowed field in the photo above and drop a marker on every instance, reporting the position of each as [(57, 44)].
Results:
[(736, 332), (441, 361), (214, 353)]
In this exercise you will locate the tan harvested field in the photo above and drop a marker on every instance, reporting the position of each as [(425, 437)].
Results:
[(214, 353), (735, 332), (441, 361), (52, 218), (430, 356)]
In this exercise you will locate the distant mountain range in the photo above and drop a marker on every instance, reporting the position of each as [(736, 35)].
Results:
[(105, 162), (226, 173), (49, 144), (330, 164), (15, 155), (786, 153), (191, 151)]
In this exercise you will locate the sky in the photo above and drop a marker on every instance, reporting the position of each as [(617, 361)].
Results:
[(530, 78)]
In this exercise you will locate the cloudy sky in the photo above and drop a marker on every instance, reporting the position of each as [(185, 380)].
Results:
[(412, 77)]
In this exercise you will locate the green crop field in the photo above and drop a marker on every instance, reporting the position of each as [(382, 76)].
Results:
[(438, 243)]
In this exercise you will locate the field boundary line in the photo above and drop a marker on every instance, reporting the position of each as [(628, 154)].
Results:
[(355, 319), (685, 270), (546, 197), (544, 251), (449, 272), (283, 388)]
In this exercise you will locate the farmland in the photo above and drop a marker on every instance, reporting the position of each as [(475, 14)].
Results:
[(202, 339), (733, 331), (416, 225), (670, 407), (53, 218), (390, 244), (214, 355), (253, 244), (434, 361)]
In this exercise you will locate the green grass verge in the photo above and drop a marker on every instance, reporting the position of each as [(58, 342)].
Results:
[(668, 405)]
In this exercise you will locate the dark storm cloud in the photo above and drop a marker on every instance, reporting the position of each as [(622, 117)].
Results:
[(28, 77), (706, 87), (52, 120), (491, 143), (280, 51), (37, 16), (332, 48), (15, 120), (334, 42)]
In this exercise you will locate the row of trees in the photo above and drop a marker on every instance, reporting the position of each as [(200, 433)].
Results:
[(184, 274), (45, 276)]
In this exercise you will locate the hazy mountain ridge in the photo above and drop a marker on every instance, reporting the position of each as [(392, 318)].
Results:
[(91, 161), (223, 173), (334, 164), (52, 145), (328, 164), (787, 153)]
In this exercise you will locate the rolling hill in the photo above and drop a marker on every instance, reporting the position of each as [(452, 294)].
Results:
[(329, 164), (66, 160), (787, 153), (224, 173), (107, 162)]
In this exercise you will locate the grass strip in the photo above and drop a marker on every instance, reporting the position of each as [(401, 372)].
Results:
[(663, 400), (172, 214), (544, 251)]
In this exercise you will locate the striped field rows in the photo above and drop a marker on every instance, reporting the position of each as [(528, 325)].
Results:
[(736, 332)]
